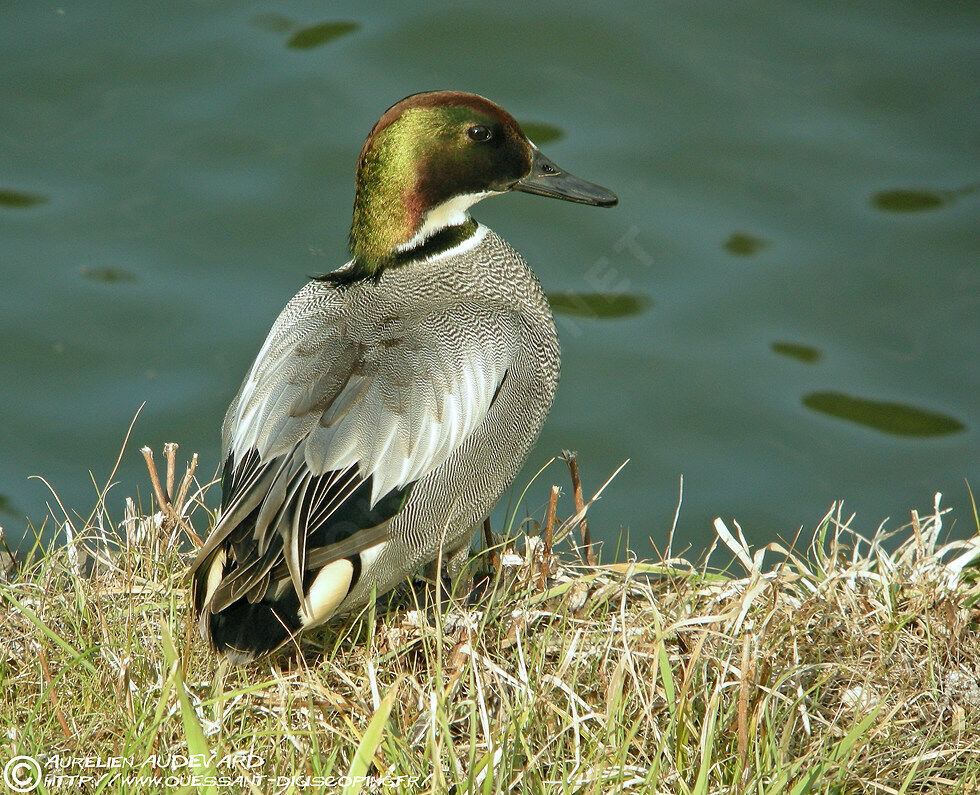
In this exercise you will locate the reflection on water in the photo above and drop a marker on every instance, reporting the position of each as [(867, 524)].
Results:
[(16, 199), (742, 244), (6, 507), (894, 418), (107, 275), (802, 353), (598, 305), (541, 132), (317, 35)]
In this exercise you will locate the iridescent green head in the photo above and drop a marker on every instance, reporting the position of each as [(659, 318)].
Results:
[(432, 156)]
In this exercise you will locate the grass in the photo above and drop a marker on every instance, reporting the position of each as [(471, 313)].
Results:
[(845, 664)]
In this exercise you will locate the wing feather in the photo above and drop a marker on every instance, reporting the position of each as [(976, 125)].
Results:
[(344, 400)]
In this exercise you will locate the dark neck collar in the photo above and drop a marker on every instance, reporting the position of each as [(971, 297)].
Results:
[(445, 239)]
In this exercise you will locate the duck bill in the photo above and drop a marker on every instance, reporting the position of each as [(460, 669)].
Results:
[(547, 179)]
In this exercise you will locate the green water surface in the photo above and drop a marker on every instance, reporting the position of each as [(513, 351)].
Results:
[(782, 309)]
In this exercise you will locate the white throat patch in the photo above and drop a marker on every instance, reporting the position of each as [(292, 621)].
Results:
[(449, 213)]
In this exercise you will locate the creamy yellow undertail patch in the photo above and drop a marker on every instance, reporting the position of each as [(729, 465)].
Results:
[(328, 590), (215, 573)]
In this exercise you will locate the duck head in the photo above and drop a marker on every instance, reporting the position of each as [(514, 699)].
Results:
[(431, 157)]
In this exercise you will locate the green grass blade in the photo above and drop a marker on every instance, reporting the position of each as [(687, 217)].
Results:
[(197, 745), (369, 743)]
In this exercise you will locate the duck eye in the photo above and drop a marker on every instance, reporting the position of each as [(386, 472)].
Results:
[(479, 133)]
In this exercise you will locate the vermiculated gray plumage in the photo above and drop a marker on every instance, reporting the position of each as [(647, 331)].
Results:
[(381, 421)]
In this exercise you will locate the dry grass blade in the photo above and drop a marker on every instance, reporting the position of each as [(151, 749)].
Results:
[(52, 695), (549, 531), (151, 467), (170, 509), (170, 453), (588, 553)]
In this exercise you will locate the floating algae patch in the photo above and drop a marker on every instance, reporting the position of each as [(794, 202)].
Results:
[(911, 200), (742, 244), (802, 353), (894, 418), (598, 305), (107, 275), (16, 200), (908, 200), (320, 34), (541, 132)]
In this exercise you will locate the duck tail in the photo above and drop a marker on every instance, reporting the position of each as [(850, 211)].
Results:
[(243, 630)]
